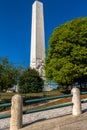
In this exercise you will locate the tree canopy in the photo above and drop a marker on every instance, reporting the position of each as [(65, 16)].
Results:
[(30, 81), (66, 61), (9, 74)]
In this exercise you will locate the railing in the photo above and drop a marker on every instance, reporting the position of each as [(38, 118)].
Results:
[(5, 105), (42, 99), (48, 108), (75, 95), (48, 98), (83, 93), (5, 116), (37, 100), (83, 101)]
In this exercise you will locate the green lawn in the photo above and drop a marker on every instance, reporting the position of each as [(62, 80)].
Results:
[(6, 97)]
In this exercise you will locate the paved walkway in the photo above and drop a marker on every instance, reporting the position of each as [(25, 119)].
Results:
[(56, 119), (62, 123)]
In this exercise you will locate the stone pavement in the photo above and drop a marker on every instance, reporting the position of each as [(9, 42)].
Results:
[(61, 123)]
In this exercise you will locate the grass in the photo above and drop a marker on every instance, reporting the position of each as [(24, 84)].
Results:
[(8, 96), (45, 103), (55, 102)]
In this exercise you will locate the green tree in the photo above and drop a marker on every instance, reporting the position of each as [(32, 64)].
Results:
[(9, 74), (66, 61), (30, 81)]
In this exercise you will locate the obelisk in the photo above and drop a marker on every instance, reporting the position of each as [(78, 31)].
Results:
[(37, 55)]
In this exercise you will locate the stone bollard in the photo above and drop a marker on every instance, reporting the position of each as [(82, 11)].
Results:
[(16, 113), (76, 102)]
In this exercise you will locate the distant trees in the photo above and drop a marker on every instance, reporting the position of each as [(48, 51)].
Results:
[(30, 81), (9, 74), (66, 61)]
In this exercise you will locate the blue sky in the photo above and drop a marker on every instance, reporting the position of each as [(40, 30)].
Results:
[(15, 24)]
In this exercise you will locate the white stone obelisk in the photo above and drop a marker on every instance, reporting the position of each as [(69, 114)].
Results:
[(37, 55)]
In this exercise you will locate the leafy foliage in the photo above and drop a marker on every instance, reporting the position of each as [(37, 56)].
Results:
[(66, 60), (9, 74), (30, 81)]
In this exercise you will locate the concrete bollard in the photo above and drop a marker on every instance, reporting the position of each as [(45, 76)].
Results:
[(76, 100), (16, 113)]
